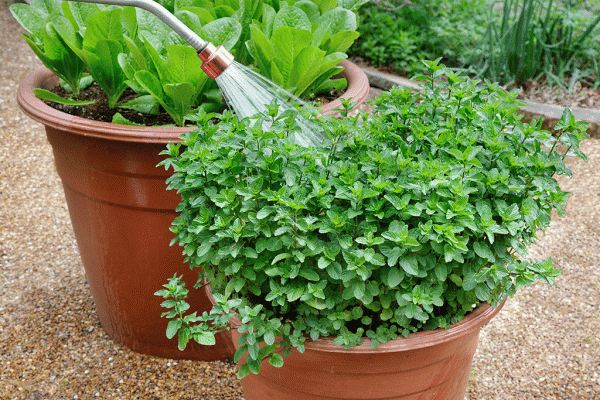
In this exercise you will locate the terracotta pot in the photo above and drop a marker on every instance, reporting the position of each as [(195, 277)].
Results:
[(121, 213), (357, 90), (430, 365)]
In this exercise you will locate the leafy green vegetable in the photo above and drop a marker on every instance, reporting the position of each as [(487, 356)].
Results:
[(176, 81), (298, 45), (40, 19), (103, 65), (99, 49), (120, 119), (146, 104), (297, 57), (49, 96), (249, 11)]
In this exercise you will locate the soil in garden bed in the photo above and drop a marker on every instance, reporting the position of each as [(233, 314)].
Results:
[(538, 91), (99, 111)]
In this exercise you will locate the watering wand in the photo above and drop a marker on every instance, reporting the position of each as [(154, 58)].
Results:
[(215, 60)]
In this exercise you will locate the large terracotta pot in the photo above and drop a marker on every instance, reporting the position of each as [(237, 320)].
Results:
[(121, 213), (430, 365)]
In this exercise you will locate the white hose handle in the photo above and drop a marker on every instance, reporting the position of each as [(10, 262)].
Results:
[(165, 16)]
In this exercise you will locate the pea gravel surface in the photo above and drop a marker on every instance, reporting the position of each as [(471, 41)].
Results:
[(544, 344)]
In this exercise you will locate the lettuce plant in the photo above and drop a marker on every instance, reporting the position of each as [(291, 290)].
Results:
[(301, 55), (197, 14), (297, 44), (171, 73), (39, 21), (409, 219), (99, 48)]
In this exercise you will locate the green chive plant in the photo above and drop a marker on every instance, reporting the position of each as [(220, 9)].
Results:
[(409, 219), (296, 44), (532, 39)]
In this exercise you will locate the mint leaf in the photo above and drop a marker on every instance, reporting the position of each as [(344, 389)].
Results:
[(409, 265), (276, 360), (173, 327), (395, 276)]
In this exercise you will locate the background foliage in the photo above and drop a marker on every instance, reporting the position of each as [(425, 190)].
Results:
[(503, 40)]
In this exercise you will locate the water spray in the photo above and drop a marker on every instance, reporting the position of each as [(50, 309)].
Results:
[(246, 92)]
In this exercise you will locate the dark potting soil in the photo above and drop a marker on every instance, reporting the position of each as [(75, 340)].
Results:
[(99, 111)]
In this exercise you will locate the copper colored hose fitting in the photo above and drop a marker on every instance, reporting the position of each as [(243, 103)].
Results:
[(215, 60)]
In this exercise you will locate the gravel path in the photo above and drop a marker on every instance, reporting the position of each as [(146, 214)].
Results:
[(543, 345)]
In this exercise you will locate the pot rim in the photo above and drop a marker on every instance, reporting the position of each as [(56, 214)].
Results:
[(50, 117), (472, 322)]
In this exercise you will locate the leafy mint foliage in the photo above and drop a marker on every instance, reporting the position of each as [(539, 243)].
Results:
[(191, 326), (401, 34), (409, 219)]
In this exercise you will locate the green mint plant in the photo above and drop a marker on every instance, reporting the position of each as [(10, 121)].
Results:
[(406, 221), (533, 38), (399, 34)]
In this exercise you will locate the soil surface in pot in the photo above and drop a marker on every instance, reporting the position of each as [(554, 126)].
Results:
[(99, 111)]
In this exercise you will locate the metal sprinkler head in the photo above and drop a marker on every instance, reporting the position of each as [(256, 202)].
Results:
[(215, 60)]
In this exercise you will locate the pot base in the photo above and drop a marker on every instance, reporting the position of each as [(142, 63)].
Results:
[(430, 365)]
